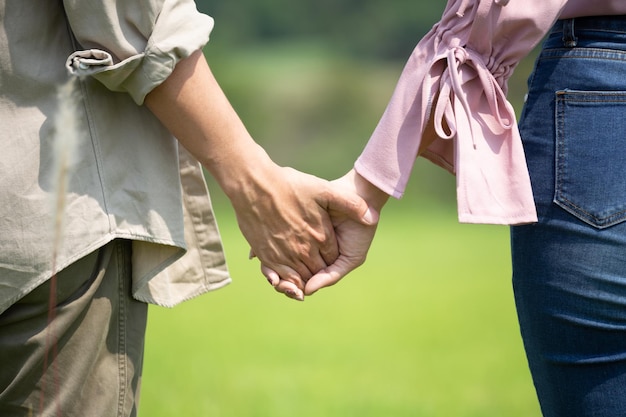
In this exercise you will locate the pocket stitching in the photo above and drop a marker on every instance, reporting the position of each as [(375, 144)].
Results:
[(560, 199)]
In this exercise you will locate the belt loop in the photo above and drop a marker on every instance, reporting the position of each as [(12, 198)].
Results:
[(569, 36)]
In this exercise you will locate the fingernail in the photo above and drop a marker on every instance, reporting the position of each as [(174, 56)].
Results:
[(296, 295)]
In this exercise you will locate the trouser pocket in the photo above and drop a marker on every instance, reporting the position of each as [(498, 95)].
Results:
[(590, 170)]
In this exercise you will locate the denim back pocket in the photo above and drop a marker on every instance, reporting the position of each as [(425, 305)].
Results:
[(591, 155)]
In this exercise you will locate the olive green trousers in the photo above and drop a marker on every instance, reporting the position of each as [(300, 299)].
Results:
[(86, 361)]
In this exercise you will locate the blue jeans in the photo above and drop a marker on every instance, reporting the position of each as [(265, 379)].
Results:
[(569, 269)]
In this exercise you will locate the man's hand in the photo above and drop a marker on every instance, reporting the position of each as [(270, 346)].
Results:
[(354, 236), (287, 217)]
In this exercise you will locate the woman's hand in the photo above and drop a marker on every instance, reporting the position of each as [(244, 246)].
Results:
[(288, 218), (354, 237)]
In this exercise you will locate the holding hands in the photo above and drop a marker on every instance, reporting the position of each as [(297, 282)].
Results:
[(353, 236), (307, 232), (291, 219)]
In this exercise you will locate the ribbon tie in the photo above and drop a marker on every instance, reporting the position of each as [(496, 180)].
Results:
[(492, 179), (459, 60)]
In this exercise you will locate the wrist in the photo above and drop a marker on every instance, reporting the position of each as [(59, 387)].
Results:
[(374, 196), (238, 167)]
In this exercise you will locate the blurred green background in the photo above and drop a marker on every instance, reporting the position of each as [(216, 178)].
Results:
[(426, 327)]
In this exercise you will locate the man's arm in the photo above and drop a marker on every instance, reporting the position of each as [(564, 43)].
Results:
[(281, 212)]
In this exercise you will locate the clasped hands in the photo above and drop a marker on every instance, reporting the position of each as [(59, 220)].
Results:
[(308, 233)]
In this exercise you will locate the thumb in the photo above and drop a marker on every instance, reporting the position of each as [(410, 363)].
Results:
[(328, 276), (352, 205)]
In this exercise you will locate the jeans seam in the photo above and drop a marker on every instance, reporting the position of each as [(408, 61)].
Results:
[(558, 161), (122, 364)]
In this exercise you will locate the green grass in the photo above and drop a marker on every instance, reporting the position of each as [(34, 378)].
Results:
[(425, 328)]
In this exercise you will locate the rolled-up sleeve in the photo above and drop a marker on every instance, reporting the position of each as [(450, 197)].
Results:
[(132, 46), (456, 81)]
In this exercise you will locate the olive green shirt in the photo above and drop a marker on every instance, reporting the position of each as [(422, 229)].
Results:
[(127, 177)]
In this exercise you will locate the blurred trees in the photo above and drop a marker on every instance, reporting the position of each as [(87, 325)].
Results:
[(311, 78), (368, 28)]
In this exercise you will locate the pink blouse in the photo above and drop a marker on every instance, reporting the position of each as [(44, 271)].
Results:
[(458, 73)]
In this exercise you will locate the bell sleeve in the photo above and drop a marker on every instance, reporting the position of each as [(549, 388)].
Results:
[(132, 46), (450, 107)]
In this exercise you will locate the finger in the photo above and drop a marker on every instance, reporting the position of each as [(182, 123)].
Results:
[(328, 252), (271, 275), (323, 279), (313, 256), (284, 273), (352, 205), (290, 290), (329, 276)]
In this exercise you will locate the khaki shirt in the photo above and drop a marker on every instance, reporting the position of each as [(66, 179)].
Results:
[(127, 177)]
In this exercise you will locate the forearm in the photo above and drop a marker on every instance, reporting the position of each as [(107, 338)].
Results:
[(192, 105), (283, 214)]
